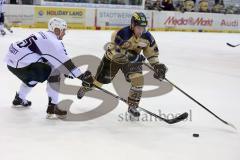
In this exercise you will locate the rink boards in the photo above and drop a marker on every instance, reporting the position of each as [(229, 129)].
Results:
[(105, 18)]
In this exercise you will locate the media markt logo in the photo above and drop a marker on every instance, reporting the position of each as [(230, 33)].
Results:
[(40, 13), (199, 21)]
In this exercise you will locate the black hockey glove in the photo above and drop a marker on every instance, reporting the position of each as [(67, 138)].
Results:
[(160, 71), (87, 79)]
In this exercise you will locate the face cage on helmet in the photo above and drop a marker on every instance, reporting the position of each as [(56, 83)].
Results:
[(145, 27), (135, 23)]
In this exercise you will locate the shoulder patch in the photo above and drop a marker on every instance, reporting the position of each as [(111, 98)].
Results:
[(123, 35), (148, 36)]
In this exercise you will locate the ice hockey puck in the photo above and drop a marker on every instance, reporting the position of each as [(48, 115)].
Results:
[(195, 135)]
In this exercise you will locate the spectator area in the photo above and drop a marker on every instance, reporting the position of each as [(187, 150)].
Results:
[(208, 6)]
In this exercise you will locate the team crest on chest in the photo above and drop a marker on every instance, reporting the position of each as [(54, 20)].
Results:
[(142, 44)]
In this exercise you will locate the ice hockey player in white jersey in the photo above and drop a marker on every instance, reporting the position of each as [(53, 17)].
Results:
[(40, 57), (2, 17)]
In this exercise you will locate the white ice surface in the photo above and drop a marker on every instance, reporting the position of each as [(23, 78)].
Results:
[(199, 63)]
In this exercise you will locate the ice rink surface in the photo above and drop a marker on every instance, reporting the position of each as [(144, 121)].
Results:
[(200, 63)]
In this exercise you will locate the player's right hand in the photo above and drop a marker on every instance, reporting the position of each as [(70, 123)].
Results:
[(87, 79)]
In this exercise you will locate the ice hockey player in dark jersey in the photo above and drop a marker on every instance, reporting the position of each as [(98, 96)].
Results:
[(124, 53), (42, 57)]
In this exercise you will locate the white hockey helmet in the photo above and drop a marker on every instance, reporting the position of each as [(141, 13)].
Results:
[(57, 23)]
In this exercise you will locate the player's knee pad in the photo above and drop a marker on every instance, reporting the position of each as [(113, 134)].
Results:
[(136, 79), (131, 68), (106, 71)]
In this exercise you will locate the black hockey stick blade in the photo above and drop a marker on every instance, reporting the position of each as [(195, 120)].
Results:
[(169, 121), (178, 119), (231, 45)]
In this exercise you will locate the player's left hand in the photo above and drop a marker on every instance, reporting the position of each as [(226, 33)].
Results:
[(160, 71)]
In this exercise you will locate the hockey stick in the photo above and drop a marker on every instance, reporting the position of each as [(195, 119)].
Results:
[(169, 121), (231, 45), (225, 122)]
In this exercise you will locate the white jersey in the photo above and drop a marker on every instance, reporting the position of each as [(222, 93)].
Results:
[(2, 5), (37, 48)]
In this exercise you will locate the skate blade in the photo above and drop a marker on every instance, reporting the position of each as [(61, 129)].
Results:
[(51, 116), (54, 116), (20, 107), (132, 117), (61, 116)]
